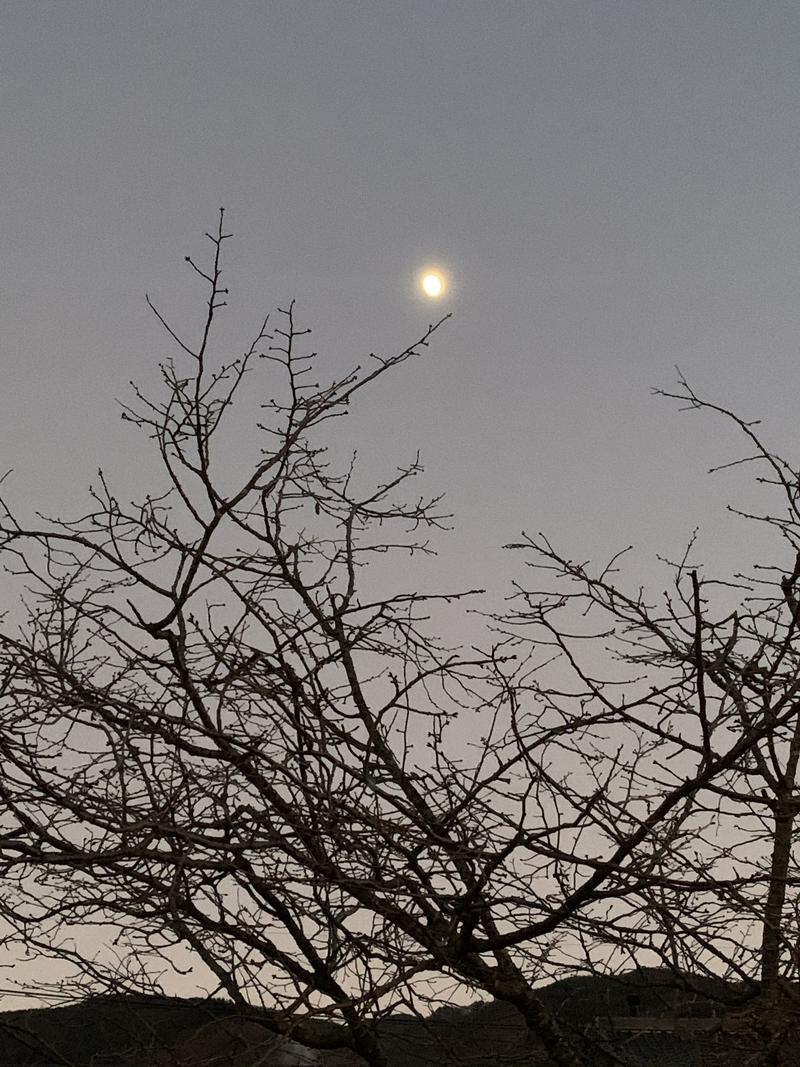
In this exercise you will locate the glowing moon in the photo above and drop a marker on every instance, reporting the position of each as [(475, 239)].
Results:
[(432, 284)]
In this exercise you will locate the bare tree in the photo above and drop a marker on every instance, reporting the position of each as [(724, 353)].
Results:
[(716, 674), (228, 746), (753, 666)]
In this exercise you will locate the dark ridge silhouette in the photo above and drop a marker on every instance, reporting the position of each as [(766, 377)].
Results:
[(645, 1018)]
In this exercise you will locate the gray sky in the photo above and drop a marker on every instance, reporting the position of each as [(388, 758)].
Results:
[(612, 186)]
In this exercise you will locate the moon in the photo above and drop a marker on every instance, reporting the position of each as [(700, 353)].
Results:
[(432, 284)]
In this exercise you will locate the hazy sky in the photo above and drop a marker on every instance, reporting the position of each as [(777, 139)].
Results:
[(612, 185)]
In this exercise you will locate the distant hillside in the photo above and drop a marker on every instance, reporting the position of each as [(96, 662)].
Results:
[(171, 1032), (101, 1027), (648, 991)]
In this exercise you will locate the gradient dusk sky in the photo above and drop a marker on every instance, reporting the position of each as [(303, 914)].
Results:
[(611, 186)]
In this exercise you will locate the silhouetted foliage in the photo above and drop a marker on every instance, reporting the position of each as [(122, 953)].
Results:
[(227, 748)]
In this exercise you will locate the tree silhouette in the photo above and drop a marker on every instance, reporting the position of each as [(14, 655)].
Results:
[(227, 746)]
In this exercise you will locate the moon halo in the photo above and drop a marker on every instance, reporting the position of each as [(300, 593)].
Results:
[(432, 284)]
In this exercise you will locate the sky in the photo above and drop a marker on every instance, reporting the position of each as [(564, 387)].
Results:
[(611, 187)]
